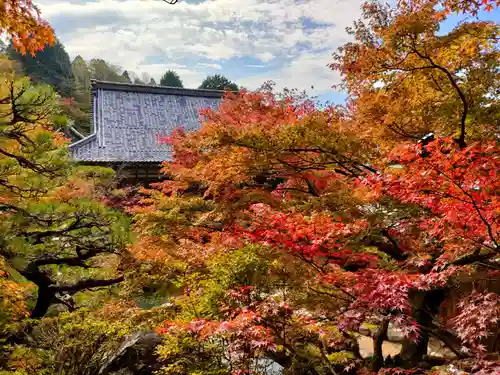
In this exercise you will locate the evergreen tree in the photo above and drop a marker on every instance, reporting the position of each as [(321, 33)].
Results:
[(172, 79), (78, 110), (53, 224), (104, 71), (81, 84), (218, 82), (152, 82), (51, 66), (126, 77)]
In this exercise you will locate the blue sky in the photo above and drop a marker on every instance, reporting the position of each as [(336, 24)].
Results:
[(248, 41)]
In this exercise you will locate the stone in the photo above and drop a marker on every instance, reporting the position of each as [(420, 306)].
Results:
[(394, 334), (438, 349), (135, 356), (366, 347)]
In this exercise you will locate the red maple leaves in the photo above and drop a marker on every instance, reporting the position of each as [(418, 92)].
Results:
[(459, 188)]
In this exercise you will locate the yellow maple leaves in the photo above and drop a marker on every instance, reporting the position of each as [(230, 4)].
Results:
[(406, 79), (12, 298)]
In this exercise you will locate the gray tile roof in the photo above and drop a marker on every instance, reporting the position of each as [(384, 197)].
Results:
[(127, 120)]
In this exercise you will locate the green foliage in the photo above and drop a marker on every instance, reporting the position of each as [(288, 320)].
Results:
[(56, 232), (24, 360), (238, 268), (218, 82), (79, 342), (241, 267), (51, 66), (171, 79), (103, 71), (81, 74), (184, 353)]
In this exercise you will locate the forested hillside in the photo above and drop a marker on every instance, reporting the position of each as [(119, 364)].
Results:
[(286, 238)]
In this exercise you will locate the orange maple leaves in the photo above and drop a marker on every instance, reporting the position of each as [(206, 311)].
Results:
[(21, 20)]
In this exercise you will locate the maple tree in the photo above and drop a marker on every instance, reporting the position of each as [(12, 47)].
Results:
[(300, 200), (470, 6), (21, 20), (444, 84)]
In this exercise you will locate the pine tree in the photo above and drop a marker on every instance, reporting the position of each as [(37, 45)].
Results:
[(81, 74), (218, 82), (53, 224), (171, 79)]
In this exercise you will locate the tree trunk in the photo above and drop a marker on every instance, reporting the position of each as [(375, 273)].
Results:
[(45, 295), (378, 340), (44, 300), (425, 305)]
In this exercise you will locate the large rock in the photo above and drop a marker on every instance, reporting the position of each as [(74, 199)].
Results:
[(135, 356), (394, 334)]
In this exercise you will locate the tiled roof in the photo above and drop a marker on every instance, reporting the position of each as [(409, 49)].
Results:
[(127, 120)]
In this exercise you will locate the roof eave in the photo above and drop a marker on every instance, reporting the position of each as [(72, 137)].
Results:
[(82, 141), (116, 163)]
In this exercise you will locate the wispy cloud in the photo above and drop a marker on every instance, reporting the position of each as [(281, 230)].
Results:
[(212, 66), (254, 66)]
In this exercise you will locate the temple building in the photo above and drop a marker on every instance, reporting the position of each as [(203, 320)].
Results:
[(128, 119)]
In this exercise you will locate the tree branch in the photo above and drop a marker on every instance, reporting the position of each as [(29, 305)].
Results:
[(446, 337), (71, 261), (86, 284), (389, 247), (473, 257), (378, 340), (451, 78)]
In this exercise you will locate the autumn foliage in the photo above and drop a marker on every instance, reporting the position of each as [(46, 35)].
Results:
[(286, 235), (384, 213), (21, 20)]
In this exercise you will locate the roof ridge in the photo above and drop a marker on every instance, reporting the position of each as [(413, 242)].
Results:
[(142, 88)]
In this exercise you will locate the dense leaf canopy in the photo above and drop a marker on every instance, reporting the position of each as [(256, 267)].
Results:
[(51, 66), (172, 79), (218, 82)]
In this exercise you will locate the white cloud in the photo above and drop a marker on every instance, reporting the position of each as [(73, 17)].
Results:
[(212, 66), (265, 56), (304, 72), (194, 39)]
